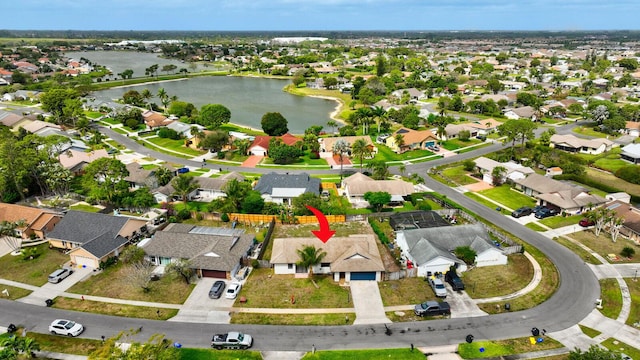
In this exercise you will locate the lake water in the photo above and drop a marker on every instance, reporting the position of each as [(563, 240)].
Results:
[(247, 98)]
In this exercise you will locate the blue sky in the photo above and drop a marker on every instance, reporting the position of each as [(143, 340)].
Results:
[(320, 14)]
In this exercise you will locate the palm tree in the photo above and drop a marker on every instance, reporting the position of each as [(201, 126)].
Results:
[(9, 235), (146, 95), (402, 168), (399, 142), (183, 185), (361, 150), (333, 124), (310, 257), (363, 115), (235, 192), (378, 113), (162, 95), (340, 148)]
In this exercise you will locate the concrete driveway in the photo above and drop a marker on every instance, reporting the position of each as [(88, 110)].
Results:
[(461, 304), (50, 291), (4, 248), (200, 308), (367, 303)]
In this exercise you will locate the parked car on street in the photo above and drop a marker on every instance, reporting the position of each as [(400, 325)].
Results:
[(586, 222), (432, 308), (233, 290), (522, 211), (231, 340), (438, 287), (65, 327), (217, 289), (545, 213), (59, 275)]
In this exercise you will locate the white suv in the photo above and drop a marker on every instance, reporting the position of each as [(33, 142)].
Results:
[(65, 327), (59, 275)]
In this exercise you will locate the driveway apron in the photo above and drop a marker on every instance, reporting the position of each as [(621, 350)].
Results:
[(367, 303)]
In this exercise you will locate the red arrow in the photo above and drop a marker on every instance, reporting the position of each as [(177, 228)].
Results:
[(325, 233)]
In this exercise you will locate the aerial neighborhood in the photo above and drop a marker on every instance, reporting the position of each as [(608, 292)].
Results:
[(454, 179)]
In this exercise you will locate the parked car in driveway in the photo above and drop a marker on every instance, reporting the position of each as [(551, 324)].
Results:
[(522, 211), (432, 308), (65, 327), (545, 213), (454, 280), (233, 290), (216, 289), (59, 275), (438, 287), (586, 222)]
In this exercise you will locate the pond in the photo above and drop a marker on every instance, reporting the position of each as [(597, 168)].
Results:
[(248, 98)]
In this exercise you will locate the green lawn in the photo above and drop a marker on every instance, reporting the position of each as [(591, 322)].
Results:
[(238, 128), (535, 227), (14, 292), (207, 354), (455, 144), (110, 121), (604, 246), (487, 203), (634, 290), (302, 161), (405, 291), (93, 114), (490, 281), (590, 131), (589, 331), (264, 289), (332, 319), (85, 208), (386, 154), (175, 145), (459, 175), (65, 344), (112, 282), (105, 308), (619, 346), (508, 197), (33, 272), (372, 354), (611, 298), (559, 221), (494, 349)]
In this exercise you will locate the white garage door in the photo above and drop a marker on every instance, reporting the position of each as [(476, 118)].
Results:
[(88, 262)]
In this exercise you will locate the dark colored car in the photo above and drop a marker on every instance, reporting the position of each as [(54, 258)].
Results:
[(523, 211), (432, 308), (183, 170), (217, 289), (545, 213), (586, 222), (454, 280)]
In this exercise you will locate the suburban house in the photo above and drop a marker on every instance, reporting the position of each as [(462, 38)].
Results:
[(260, 144), (37, 223), (10, 119), (38, 125), (91, 238), (632, 128), (575, 144), (631, 153), (75, 160), (358, 184), (413, 140), (351, 258), (326, 144), (154, 119), (476, 128), (184, 129), (513, 171), (212, 252), (524, 112), (413, 93), (210, 189), (283, 188), (163, 193), (631, 215), (563, 196), (431, 249), (139, 177)]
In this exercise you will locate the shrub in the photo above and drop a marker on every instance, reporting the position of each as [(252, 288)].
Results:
[(424, 206), (199, 217), (466, 254), (112, 260), (224, 217), (166, 133), (29, 253), (381, 235), (183, 214), (469, 165), (629, 173), (314, 155), (132, 124), (255, 264), (627, 252), (221, 154)]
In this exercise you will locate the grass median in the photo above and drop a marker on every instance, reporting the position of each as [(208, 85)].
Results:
[(495, 349), (104, 308), (293, 319)]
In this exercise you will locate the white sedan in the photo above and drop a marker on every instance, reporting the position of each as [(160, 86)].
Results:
[(65, 327)]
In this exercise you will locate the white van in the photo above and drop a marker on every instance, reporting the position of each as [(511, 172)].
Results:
[(59, 275)]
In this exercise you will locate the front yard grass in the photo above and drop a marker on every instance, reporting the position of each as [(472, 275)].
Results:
[(487, 203), (634, 291), (405, 291), (490, 281), (611, 298), (293, 319), (506, 196), (207, 354), (105, 308), (535, 227), (386, 154), (113, 283), (65, 344), (372, 354), (603, 245), (32, 272), (589, 331), (458, 175), (264, 289), (559, 221), (620, 347), (14, 292), (577, 249), (175, 145), (494, 349)]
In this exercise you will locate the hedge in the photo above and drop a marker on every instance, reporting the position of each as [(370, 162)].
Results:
[(598, 185)]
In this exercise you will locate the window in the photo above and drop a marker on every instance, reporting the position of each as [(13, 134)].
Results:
[(325, 264), (290, 266)]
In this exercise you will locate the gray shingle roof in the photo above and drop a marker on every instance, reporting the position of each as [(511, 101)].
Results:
[(104, 245), (208, 252), (273, 180), (81, 227), (430, 243)]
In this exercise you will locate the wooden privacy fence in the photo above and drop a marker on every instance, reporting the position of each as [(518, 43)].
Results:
[(260, 218)]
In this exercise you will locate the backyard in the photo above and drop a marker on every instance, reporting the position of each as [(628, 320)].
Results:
[(34, 271), (114, 283)]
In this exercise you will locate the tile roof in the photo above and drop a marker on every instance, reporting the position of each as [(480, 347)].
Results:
[(413, 136), (33, 217), (72, 158), (9, 119)]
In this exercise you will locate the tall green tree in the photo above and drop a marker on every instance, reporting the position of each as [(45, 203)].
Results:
[(235, 193), (274, 124), (377, 199), (310, 257), (183, 185), (104, 179), (380, 169), (360, 149), (212, 116), (215, 140), (341, 148)]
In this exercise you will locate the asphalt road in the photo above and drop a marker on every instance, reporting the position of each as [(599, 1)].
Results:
[(574, 299)]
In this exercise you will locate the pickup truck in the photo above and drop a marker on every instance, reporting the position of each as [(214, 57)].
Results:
[(438, 287), (432, 308), (231, 340)]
